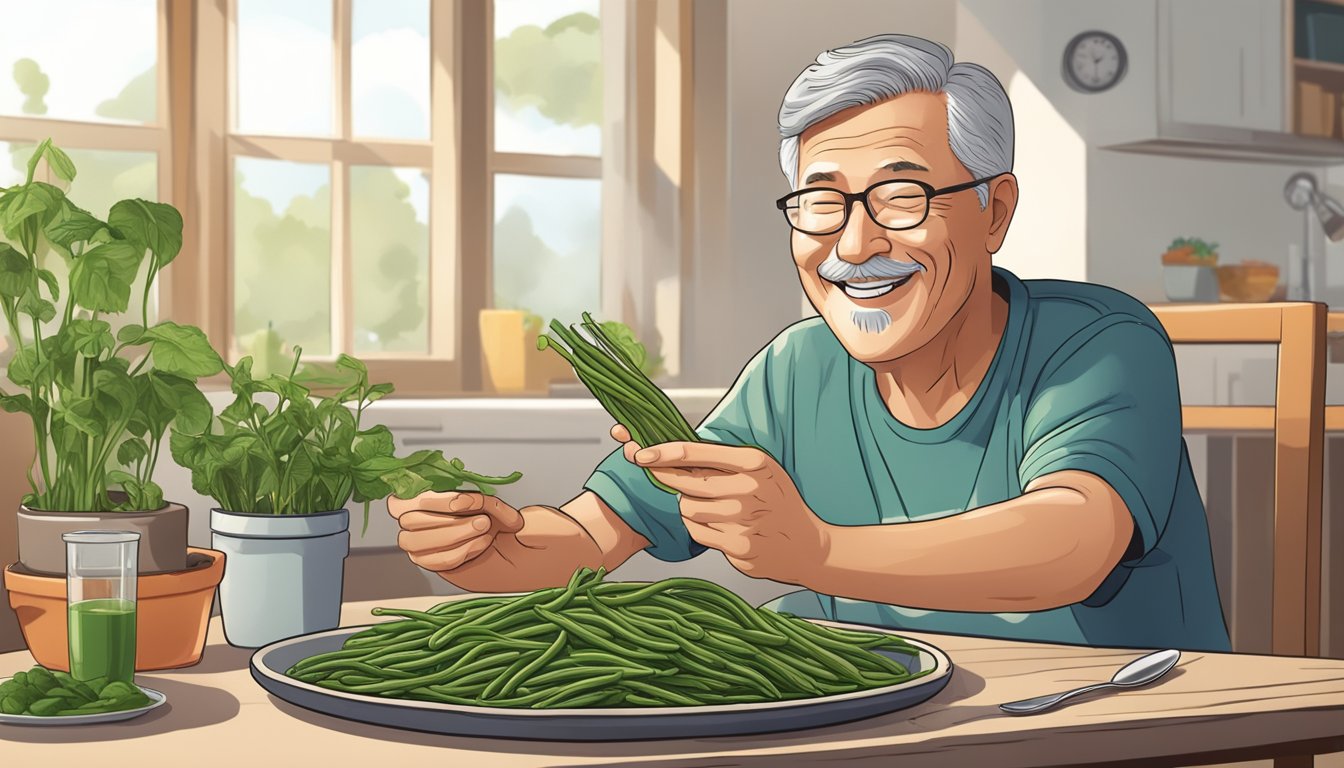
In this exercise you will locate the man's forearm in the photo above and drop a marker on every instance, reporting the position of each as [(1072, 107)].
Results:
[(1048, 548), (553, 542)]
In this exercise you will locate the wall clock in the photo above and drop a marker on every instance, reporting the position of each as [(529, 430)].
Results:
[(1094, 61)]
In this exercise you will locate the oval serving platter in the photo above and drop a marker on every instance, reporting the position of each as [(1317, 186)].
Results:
[(268, 667)]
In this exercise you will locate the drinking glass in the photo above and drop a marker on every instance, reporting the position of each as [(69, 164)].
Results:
[(101, 568)]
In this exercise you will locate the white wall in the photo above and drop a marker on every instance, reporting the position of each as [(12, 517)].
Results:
[(1139, 203), (744, 288)]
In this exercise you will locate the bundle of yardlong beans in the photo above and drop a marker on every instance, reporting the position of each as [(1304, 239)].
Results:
[(594, 643), (620, 386)]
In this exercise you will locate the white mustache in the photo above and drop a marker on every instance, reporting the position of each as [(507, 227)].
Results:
[(875, 268)]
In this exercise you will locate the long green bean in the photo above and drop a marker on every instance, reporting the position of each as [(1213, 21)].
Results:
[(624, 391), (594, 643)]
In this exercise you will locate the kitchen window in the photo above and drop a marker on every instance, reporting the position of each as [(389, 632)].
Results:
[(341, 223), (98, 89), (365, 176), (331, 165), (545, 166)]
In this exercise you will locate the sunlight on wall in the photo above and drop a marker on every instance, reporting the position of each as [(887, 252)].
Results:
[(1048, 236)]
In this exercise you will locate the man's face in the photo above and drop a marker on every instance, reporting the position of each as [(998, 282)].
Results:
[(883, 292)]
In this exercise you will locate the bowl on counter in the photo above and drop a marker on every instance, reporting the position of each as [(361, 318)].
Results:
[(1250, 281)]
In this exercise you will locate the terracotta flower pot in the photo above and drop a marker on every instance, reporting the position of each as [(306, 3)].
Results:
[(172, 613), (163, 536)]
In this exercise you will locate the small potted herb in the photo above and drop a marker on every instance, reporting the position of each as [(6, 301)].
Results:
[(283, 472), (1189, 270), (100, 400)]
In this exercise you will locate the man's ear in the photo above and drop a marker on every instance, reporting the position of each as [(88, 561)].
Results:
[(1002, 204)]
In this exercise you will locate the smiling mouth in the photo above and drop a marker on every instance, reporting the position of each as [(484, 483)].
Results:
[(871, 289)]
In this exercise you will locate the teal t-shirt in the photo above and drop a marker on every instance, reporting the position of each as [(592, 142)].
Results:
[(1083, 379)]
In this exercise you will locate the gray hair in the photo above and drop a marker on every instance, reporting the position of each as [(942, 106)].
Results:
[(979, 115)]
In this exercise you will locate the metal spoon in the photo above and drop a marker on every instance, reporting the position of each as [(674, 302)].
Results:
[(1141, 671)]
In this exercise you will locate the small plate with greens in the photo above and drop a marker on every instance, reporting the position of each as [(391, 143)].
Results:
[(43, 696)]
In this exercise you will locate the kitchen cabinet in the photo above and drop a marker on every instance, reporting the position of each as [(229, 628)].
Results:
[(1227, 86), (1224, 62)]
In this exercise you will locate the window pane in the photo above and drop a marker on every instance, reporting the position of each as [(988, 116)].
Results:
[(79, 59), (389, 73), (389, 240), (547, 245), (281, 255), (284, 67), (14, 162), (548, 77), (106, 176)]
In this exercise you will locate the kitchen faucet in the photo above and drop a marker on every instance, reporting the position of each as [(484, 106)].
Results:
[(1303, 195)]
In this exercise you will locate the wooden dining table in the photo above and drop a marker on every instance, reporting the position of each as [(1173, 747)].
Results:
[(1212, 708)]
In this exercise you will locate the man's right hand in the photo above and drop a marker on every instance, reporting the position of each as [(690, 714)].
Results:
[(444, 531)]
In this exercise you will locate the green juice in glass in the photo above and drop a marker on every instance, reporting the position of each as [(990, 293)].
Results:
[(102, 639)]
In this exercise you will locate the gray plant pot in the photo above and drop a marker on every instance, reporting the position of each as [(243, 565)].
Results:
[(163, 536), (1185, 282), (284, 573)]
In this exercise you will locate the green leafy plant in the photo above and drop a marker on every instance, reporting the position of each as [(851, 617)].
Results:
[(100, 404), (306, 454), (1191, 251)]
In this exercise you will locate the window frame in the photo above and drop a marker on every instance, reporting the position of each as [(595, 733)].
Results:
[(340, 152), (645, 164), (610, 17), (156, 137)]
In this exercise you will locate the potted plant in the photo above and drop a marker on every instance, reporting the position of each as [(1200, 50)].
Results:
[(99, 404), (1188, 270), (283, 465)]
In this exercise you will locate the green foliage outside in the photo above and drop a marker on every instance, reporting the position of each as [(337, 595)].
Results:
[(557, 69), (33, 84)]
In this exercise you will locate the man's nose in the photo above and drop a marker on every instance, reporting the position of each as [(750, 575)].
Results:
[(861, 239)]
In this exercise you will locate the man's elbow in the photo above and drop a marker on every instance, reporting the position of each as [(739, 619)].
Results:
[(1058, 590), (1088, 566), (1076, 574)]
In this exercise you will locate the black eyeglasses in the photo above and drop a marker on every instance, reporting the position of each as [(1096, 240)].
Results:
[(893, 204)]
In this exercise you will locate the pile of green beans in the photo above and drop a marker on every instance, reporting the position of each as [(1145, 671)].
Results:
[(620, 386), (595, 643), (52, 693)]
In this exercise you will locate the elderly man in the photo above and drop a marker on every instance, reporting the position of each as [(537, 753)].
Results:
[(946, 448)]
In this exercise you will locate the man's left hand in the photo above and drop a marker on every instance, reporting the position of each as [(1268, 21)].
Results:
[(740, 501)]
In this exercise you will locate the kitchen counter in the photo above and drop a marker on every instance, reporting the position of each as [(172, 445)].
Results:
[(1212, 707)]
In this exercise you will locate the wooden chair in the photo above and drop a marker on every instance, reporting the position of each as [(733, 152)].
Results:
[(1297, 421)]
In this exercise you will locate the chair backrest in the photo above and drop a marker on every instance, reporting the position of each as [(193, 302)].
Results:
[(1297, 420)]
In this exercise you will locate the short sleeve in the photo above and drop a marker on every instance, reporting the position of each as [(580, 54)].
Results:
[(745, 416), (1107, 403)]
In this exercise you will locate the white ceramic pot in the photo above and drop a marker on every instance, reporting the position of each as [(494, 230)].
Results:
[(283, 573), (1187, 282)]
